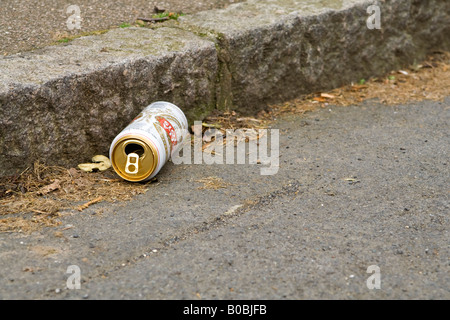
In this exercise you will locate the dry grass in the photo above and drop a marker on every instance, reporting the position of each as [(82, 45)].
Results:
[(232, 120), (213, 183), (40, 193), (426, 81)]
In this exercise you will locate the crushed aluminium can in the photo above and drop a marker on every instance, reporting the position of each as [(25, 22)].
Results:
[(140, 151)]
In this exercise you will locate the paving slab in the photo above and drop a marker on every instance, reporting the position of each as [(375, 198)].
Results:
[(32, 24)]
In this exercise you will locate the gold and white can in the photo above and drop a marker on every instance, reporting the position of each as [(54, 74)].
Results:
[(140, 151)]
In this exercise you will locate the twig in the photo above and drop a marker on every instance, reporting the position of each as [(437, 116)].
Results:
[(153, 19), (87, 204), (39, 211)]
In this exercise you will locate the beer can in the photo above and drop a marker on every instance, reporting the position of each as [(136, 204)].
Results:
[(140, 151)]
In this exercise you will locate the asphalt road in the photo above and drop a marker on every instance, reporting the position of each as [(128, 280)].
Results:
[(357, 187), (30, 24)]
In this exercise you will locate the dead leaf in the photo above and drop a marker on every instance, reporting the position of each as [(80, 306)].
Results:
[(100, 163), (49, 188), (328, 96)]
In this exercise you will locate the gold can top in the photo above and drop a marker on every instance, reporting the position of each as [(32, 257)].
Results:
[(134, 158)]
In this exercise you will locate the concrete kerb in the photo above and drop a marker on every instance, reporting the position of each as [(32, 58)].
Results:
[(63, 104), (276, 50), (67, 103)]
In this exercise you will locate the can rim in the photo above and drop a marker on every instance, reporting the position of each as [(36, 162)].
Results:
[(145, 140)]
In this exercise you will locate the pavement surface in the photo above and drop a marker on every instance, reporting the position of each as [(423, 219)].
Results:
[(357, 186), (30, 24)]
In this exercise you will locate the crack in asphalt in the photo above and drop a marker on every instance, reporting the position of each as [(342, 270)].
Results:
[(292, 188)]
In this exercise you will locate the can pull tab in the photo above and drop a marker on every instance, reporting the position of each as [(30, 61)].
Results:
[(132, 166)]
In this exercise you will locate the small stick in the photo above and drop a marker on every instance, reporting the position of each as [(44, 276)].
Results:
[(87, 204), (39, 211), (153, 19)]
